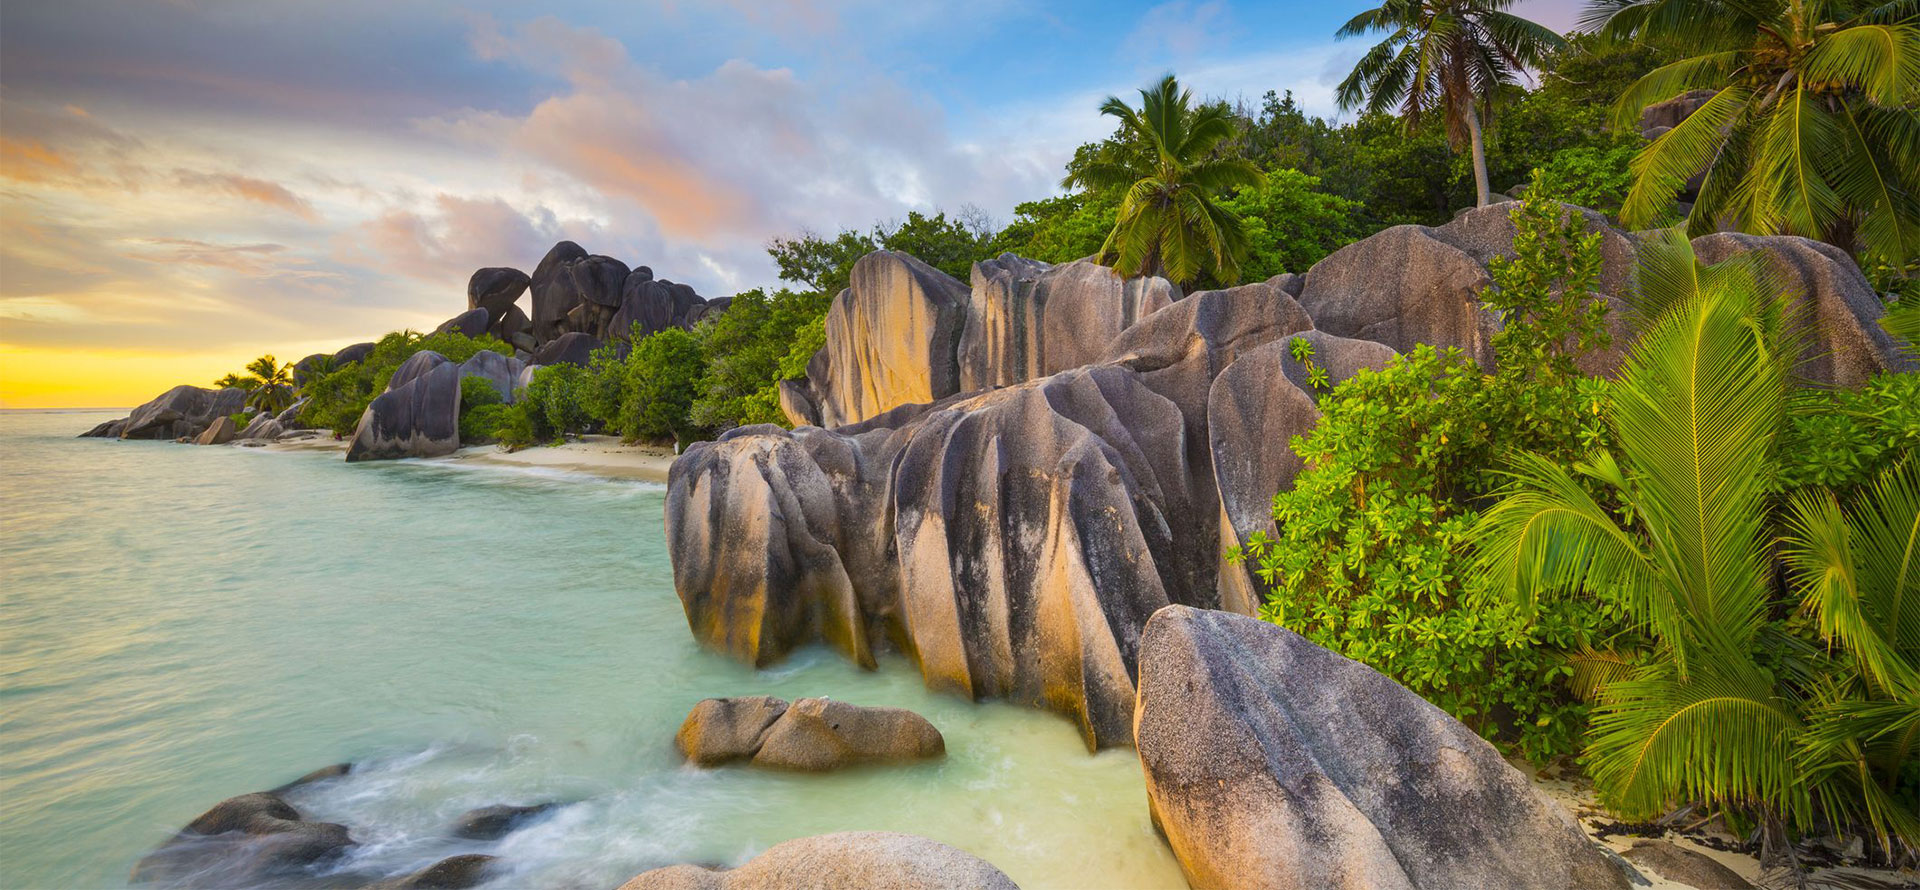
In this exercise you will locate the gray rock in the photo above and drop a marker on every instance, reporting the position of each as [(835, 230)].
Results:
[(418, 418), (598, 279), (351, 354), (820, 735), (495, 289), (1403, 287), (571, 348), (495, 822), (220, 432), (471, 323), (290, 418), (452, 873), (183, 411), (499, 370), (852, 859), (324, 774), (1663, 116), (722, 730), (1274, 763), (553, 292), (242, 842), (106, 430), (416, 364), (1683, 866), (653, 305), (1846, 346), (890, 338), (263, 426)]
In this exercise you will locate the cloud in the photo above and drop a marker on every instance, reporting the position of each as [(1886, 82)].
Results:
[(455, 235), (272, 194), (1179, 29)]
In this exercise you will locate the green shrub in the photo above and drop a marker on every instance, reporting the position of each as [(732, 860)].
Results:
[(481, 410), (240, 420), (1372, 557), (1843, 438), (663, 375), (1290, 224), (1589, 176), (339, 397), (746, 349), (556, 402)]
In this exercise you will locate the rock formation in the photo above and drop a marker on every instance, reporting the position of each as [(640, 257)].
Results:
[(810, 735), (1013, 540), (451, 873), (417, 416), (1274, 763), (183, 412), (495, 822), (1683, 866), (243, 841), (220, 432), (848, 859), (471, 323)]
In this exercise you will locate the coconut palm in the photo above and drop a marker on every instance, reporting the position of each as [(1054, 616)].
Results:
[(1169, 223), (1728, 710), (1812, 131), (272, 389), (1444, 56)]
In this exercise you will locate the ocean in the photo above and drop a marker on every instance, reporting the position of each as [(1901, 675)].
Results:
[(179, 625)]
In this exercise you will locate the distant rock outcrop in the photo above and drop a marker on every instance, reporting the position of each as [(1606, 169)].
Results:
[(220, 432), (1274, 763), (417, 416), (849, 859), (471, 323), (183, 412)]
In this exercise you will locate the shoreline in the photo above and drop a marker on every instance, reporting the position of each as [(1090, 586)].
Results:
[(602, 456)]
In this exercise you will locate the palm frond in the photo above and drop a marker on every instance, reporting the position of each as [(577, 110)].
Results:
[(1663, 167)]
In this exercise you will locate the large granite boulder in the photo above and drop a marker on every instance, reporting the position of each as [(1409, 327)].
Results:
[(723, 730), (1026, 319), (181, 412), (263, 426), (244, 841), (653, 305), (703, 311), (471, 323), (495, 289), (890, 339), (1683, 866), (570, 348), (819, 735), (418, 415), (1254, 409), (1839, 310), (499, 370), (350, 354), (852, 859), (1274, 763), (1660, 117), (220, 432), (553, 292)]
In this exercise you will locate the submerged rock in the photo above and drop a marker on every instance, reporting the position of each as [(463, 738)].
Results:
[(1273, 763), (849, 859), (451, 873), (242, 842), (722, 730), (495, 822)]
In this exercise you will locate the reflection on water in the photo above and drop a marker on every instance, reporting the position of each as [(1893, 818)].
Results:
[(180, 625)]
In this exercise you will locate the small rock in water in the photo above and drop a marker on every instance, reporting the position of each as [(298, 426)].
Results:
[(242, 842), (720, 730), (497, 821), (812, 734), (451, 873), (333, 771)]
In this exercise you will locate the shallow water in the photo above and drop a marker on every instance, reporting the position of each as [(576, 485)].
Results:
[(179, 625)]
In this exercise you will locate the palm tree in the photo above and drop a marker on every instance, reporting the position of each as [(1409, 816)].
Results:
[(1727, 710), (1812, 131), (272, 389), (1446, 56), (1169, 223)]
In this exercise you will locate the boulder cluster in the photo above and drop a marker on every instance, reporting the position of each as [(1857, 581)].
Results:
[(809, 735), (579, 302), (1005, 480)]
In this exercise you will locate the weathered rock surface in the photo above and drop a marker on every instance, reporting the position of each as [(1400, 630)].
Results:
[(819, 735), (1845, 344), (571, 348), (263, 426), (471, 323), (499, 370), (853, 859), (353, 353), (220, 432), (494, 822), (418, 415), (495, 289), (653, 305), (553, 292), (451, 873), (181, 412), (891, 338), (243, 841), (1660, 117), (722, 730), (1274, 763), (1026, 319), (1682, 866)]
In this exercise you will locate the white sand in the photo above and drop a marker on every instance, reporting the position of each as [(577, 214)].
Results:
[(595, 455)]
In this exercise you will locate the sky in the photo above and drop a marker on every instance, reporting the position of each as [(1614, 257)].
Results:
[(187, 184)]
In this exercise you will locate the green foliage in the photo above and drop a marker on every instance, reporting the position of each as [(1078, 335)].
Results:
[(745, 349), (1290, 224), (1059, 230), (1169, 220), (236, 381), (555, 402), (663, 376), (240, 420), (1596, 178), (338, 398), (826, 265), (481, 411), (1812, 131), (1372, 555), (1842, 439), (268, 383), (1731, 706)]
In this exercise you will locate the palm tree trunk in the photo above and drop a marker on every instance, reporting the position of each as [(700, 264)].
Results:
[(1480, 189)]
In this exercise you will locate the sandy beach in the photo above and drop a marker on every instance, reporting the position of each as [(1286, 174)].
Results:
[(603, 456)]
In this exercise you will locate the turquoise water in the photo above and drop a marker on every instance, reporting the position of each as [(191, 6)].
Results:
[(179, 625)]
